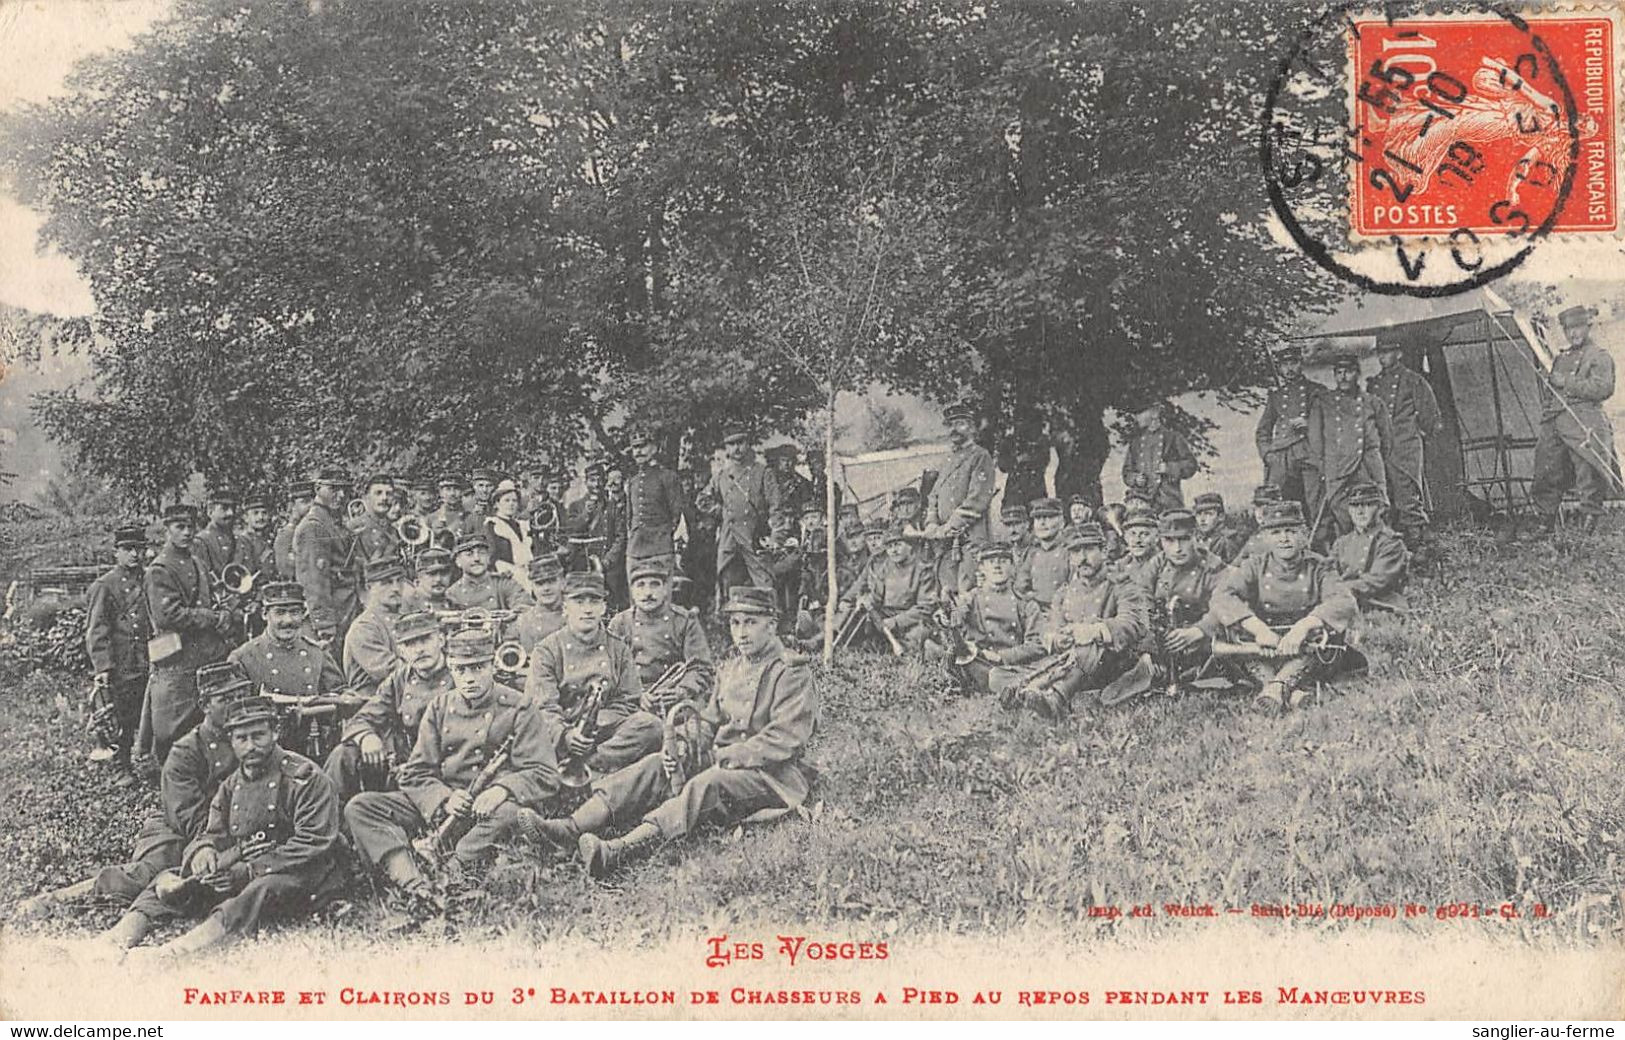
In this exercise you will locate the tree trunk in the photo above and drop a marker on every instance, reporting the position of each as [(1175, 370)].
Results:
[(830, 533)]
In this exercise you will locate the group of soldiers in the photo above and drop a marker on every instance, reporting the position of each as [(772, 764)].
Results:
[(408, 699)]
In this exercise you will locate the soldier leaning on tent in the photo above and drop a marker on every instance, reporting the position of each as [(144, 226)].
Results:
[(1575, 444)]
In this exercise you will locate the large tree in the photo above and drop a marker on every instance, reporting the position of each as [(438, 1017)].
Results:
[(424, 234)]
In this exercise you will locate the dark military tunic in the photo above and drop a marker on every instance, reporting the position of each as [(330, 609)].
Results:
[(328, 565), (534, 624), (1148, 449), (1278, 593), (1413, 416), (1043, 570), (665, 637), (489, 592), (395, 709), (1347, 438), (748, 502), (215, 547), (564, 665), (376, 538), (369, 650), (117, 628), (1282, 436), (282, 553), (1373, 564), (654, 501), (303, 668), (180, 601)]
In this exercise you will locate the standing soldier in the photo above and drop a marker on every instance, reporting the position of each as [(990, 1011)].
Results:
[(116, 631), (259, 553), (483, 481), (382, 731), (457, 738), (795, 490), (369, 646), (217, 544), (547, 513), (1044, 570), (451, 516), (1348, 437), (326, 560), (1413, 416), (270, 847), (1575, 446), (744, 497), (300, 495), (1156, 460), (956, 513), (424, 500), (596, 528), (374, 534), (1282, 435), (757, 725), (654, 500), (1017, 523), (188, 632)]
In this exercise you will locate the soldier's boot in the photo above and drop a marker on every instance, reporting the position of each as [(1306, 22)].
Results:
[(1301, 695), (212, 932), (563, 833), (1271, 699), (604, 858), (417, 899), (1132, 683), (38, 906), (130, 929)]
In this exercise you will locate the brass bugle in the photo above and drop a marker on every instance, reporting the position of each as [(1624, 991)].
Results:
[(237, 579), (356, 508), (413, 530), (511, 657)]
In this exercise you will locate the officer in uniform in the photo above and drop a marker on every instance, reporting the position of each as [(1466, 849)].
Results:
[(369, 646), (457, 737), (217, 544), (422, 500), (326, 560), (745, 498), (1348, 438), (270, 848), (1005, 627), (187, 631), (1371, 558), (757, 724), (478, 587), (382, 731), (1213, 531), (195, 766), (905, 505), (1413, 416), (1156, 460), (300, 495), (567, 663), (956, 512), (597, 529), (286, 659), (116, 632), (451, 516), (1575, 444), (1044, 570), (546, 616), (256, 538), (654, 499), (1282, 435), (547, 513), (1018, 527), (661, 634), (375, 535), (1290, 588)]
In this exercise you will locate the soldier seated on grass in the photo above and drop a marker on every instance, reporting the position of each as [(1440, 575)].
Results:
[(1004, 627), (754, 728), (899, 591), (478, 587), (1372, 557), (1217, 530)]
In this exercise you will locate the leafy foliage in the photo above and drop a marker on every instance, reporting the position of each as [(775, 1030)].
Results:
[(885, 427)]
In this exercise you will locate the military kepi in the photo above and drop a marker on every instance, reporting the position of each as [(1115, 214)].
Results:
[(585, 585), (748, 599), (470, 646), (249, 710), (1282, 514)]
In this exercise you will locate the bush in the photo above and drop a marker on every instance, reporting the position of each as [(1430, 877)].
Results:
[(45, 636)]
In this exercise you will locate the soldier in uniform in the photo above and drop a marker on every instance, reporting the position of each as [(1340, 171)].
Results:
[(217, 544), (759, 721), (258, 548), (458, 735), (661, 634), (1178, 584), (369, 646), (1371, 558), (956, 512), (597, 529), (270, 848), (1156, 460), (547, 513), (795, 490), (1213, 529), (451, 515), (300, 495), (1095, 621), (546, 616), (482, 482), (1140, 541), (744, 498), (1005, 627), (478, 587), (1348, 438), (1079, 510), (1282, 435), (1289, 588), (382, 731), (566, 664), (375, 534), (286, 659), (179, 599), (195, 766), (1257, 542), (905, 505), (1044, 570), (1017, 523), (432, 574), (697, 553), (117, 628), (423, 500), (899, 591), (1413, 416), (1575, 444), (654, 499), (326, 560)]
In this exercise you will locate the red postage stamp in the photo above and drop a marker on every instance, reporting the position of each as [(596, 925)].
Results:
[(1488, 124)]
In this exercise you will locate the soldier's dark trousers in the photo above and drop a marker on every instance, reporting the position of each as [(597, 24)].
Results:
[(171, 705), (742, 568), (1092, 667), (714, 795), (1560, 465), (1404, 466), (631, 735), (350, 776), (128, 695), (382, 821), (265, 898), (157, 849)]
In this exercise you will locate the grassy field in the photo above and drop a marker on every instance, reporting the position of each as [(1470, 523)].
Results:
[(1479, 762)]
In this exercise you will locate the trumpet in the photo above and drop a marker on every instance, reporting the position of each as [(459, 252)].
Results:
[(433, 847), (413, 531), (356, 508), (545, 518), (511, 658), (682, 743), (573, 768), (663, 694), (236, 580)]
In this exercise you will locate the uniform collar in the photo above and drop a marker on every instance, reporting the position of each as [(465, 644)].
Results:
[(772, 652), (652, 615), (591, 642)]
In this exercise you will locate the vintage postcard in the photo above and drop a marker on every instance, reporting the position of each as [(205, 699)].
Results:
[(747, 510)]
